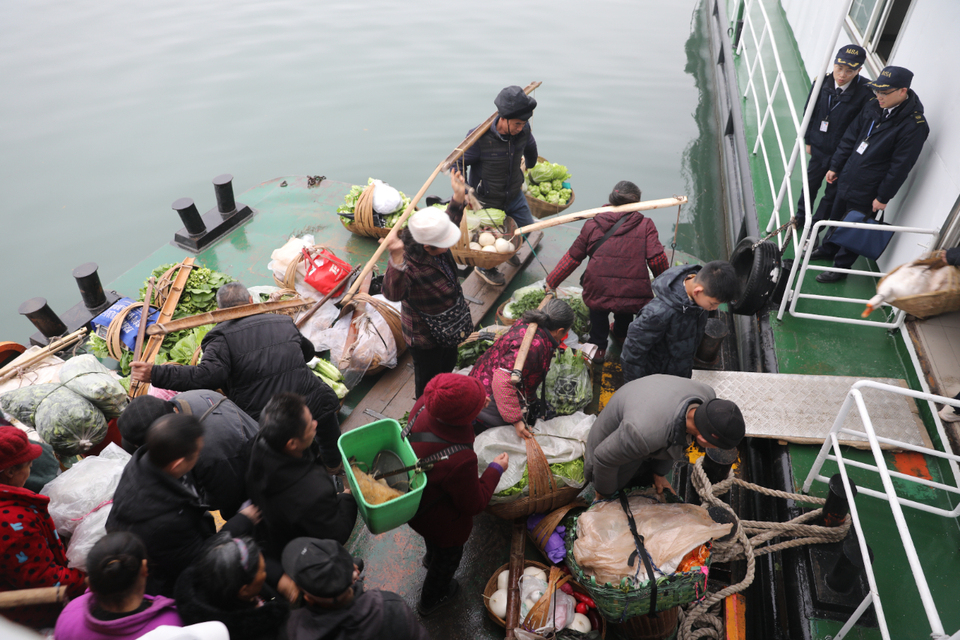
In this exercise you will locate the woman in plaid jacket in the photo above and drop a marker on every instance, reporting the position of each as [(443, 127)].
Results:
[(422, 276)]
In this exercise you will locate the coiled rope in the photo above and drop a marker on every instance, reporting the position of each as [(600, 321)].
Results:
[(747, 544)]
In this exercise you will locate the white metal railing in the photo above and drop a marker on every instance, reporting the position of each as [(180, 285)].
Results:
[(895, 321), (889, 493)]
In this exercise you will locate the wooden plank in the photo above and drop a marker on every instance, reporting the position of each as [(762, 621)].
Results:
[(393, 394)]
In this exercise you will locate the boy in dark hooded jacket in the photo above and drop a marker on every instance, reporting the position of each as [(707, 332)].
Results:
[(664, 337)]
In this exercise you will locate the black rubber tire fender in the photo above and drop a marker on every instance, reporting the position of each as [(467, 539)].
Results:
[(759, 271)]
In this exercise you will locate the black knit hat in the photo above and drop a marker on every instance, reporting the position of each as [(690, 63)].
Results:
[(720, 423), (137, 418), (513, 104)]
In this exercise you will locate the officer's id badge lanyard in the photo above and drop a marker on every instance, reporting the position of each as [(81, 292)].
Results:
[(825, 123), (866, 141)]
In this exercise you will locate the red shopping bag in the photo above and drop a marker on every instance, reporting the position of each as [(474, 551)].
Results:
[(324, 271)]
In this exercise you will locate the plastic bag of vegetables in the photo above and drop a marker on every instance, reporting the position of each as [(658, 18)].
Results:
[(64, 420), (568, 387), (87, 377)]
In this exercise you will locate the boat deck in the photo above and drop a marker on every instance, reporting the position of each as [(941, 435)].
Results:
[(821, 348)]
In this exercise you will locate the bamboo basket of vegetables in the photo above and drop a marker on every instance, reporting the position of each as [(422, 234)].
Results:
[(545, 495), (577, 590), (486, 247), (539, 206), (358, 216)]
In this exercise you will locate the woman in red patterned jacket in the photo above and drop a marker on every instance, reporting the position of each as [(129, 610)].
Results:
[(422, 276), (616, 279), (31, 554), (495, 365)]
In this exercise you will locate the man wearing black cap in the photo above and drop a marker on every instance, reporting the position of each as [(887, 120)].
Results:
[(874, 157), (842, 96), (492, 164), (644, 428), (228, 436), (337, 607)]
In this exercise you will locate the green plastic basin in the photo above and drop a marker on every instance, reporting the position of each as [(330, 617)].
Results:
[(363, 443)]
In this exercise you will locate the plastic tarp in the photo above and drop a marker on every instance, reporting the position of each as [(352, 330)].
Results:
[(88, 378), (66, 421), (81, 488), (670, 531), (374, 344), (572, 429), (47, 370)]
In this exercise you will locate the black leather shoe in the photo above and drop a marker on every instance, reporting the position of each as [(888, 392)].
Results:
[(831, 276), (821, 254)]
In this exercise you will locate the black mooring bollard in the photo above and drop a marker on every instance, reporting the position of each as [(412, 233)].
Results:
[(43, 317), (190, 216), (223, 185), (846, 573), (91, 291), (836, 508), (717, 463)]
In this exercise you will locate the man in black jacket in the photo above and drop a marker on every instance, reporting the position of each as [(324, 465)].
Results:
[(251, 359), (337, 607), (154, 501), (874, 158), (228, 435), (295, 494), (492, 164), (842, 96)]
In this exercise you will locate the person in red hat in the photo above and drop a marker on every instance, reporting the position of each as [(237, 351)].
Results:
[(31, 553), (443, 418)]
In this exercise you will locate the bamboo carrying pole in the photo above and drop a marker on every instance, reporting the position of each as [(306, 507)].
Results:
[(166, 313), (517, 543), (443, 166), (525, 345), (144, 318), (54, 347), (222, 315), (592, 213), (26, 597)]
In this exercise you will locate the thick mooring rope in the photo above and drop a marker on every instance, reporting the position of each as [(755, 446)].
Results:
[(750, 535)]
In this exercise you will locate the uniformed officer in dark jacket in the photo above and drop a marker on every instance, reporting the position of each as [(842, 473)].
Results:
[(842, 96), (874, 157)]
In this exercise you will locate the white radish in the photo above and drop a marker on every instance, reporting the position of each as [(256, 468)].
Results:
[(580, 623), (486, 239), (535, 572), (498, 603), (490, 248), (503, 245), (503, 580), (476, 246)]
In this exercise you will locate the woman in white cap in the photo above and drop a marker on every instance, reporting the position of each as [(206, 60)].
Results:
[(422, 275)]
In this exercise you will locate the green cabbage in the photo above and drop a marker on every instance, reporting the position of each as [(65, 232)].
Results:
[(485, 217), (570, 472), (548, 172)]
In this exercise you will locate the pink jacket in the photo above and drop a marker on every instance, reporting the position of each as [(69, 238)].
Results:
[(77, 623)]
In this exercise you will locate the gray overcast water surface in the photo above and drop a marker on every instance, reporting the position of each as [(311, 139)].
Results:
[(111, 111)]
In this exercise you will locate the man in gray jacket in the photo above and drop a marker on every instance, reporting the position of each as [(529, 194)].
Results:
[(644, 429)]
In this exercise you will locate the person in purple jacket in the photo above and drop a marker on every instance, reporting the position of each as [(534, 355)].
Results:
[(115, 607)]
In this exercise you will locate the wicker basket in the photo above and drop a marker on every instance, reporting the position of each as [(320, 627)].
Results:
[(541, 533), (491, 587), (932, 303), (502, 319), (541, 209), (390, 315), (362, 224), (545, 495), (618, 603), (463, 254)]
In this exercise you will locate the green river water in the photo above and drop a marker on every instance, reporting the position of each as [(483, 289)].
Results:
[(111, 111)]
